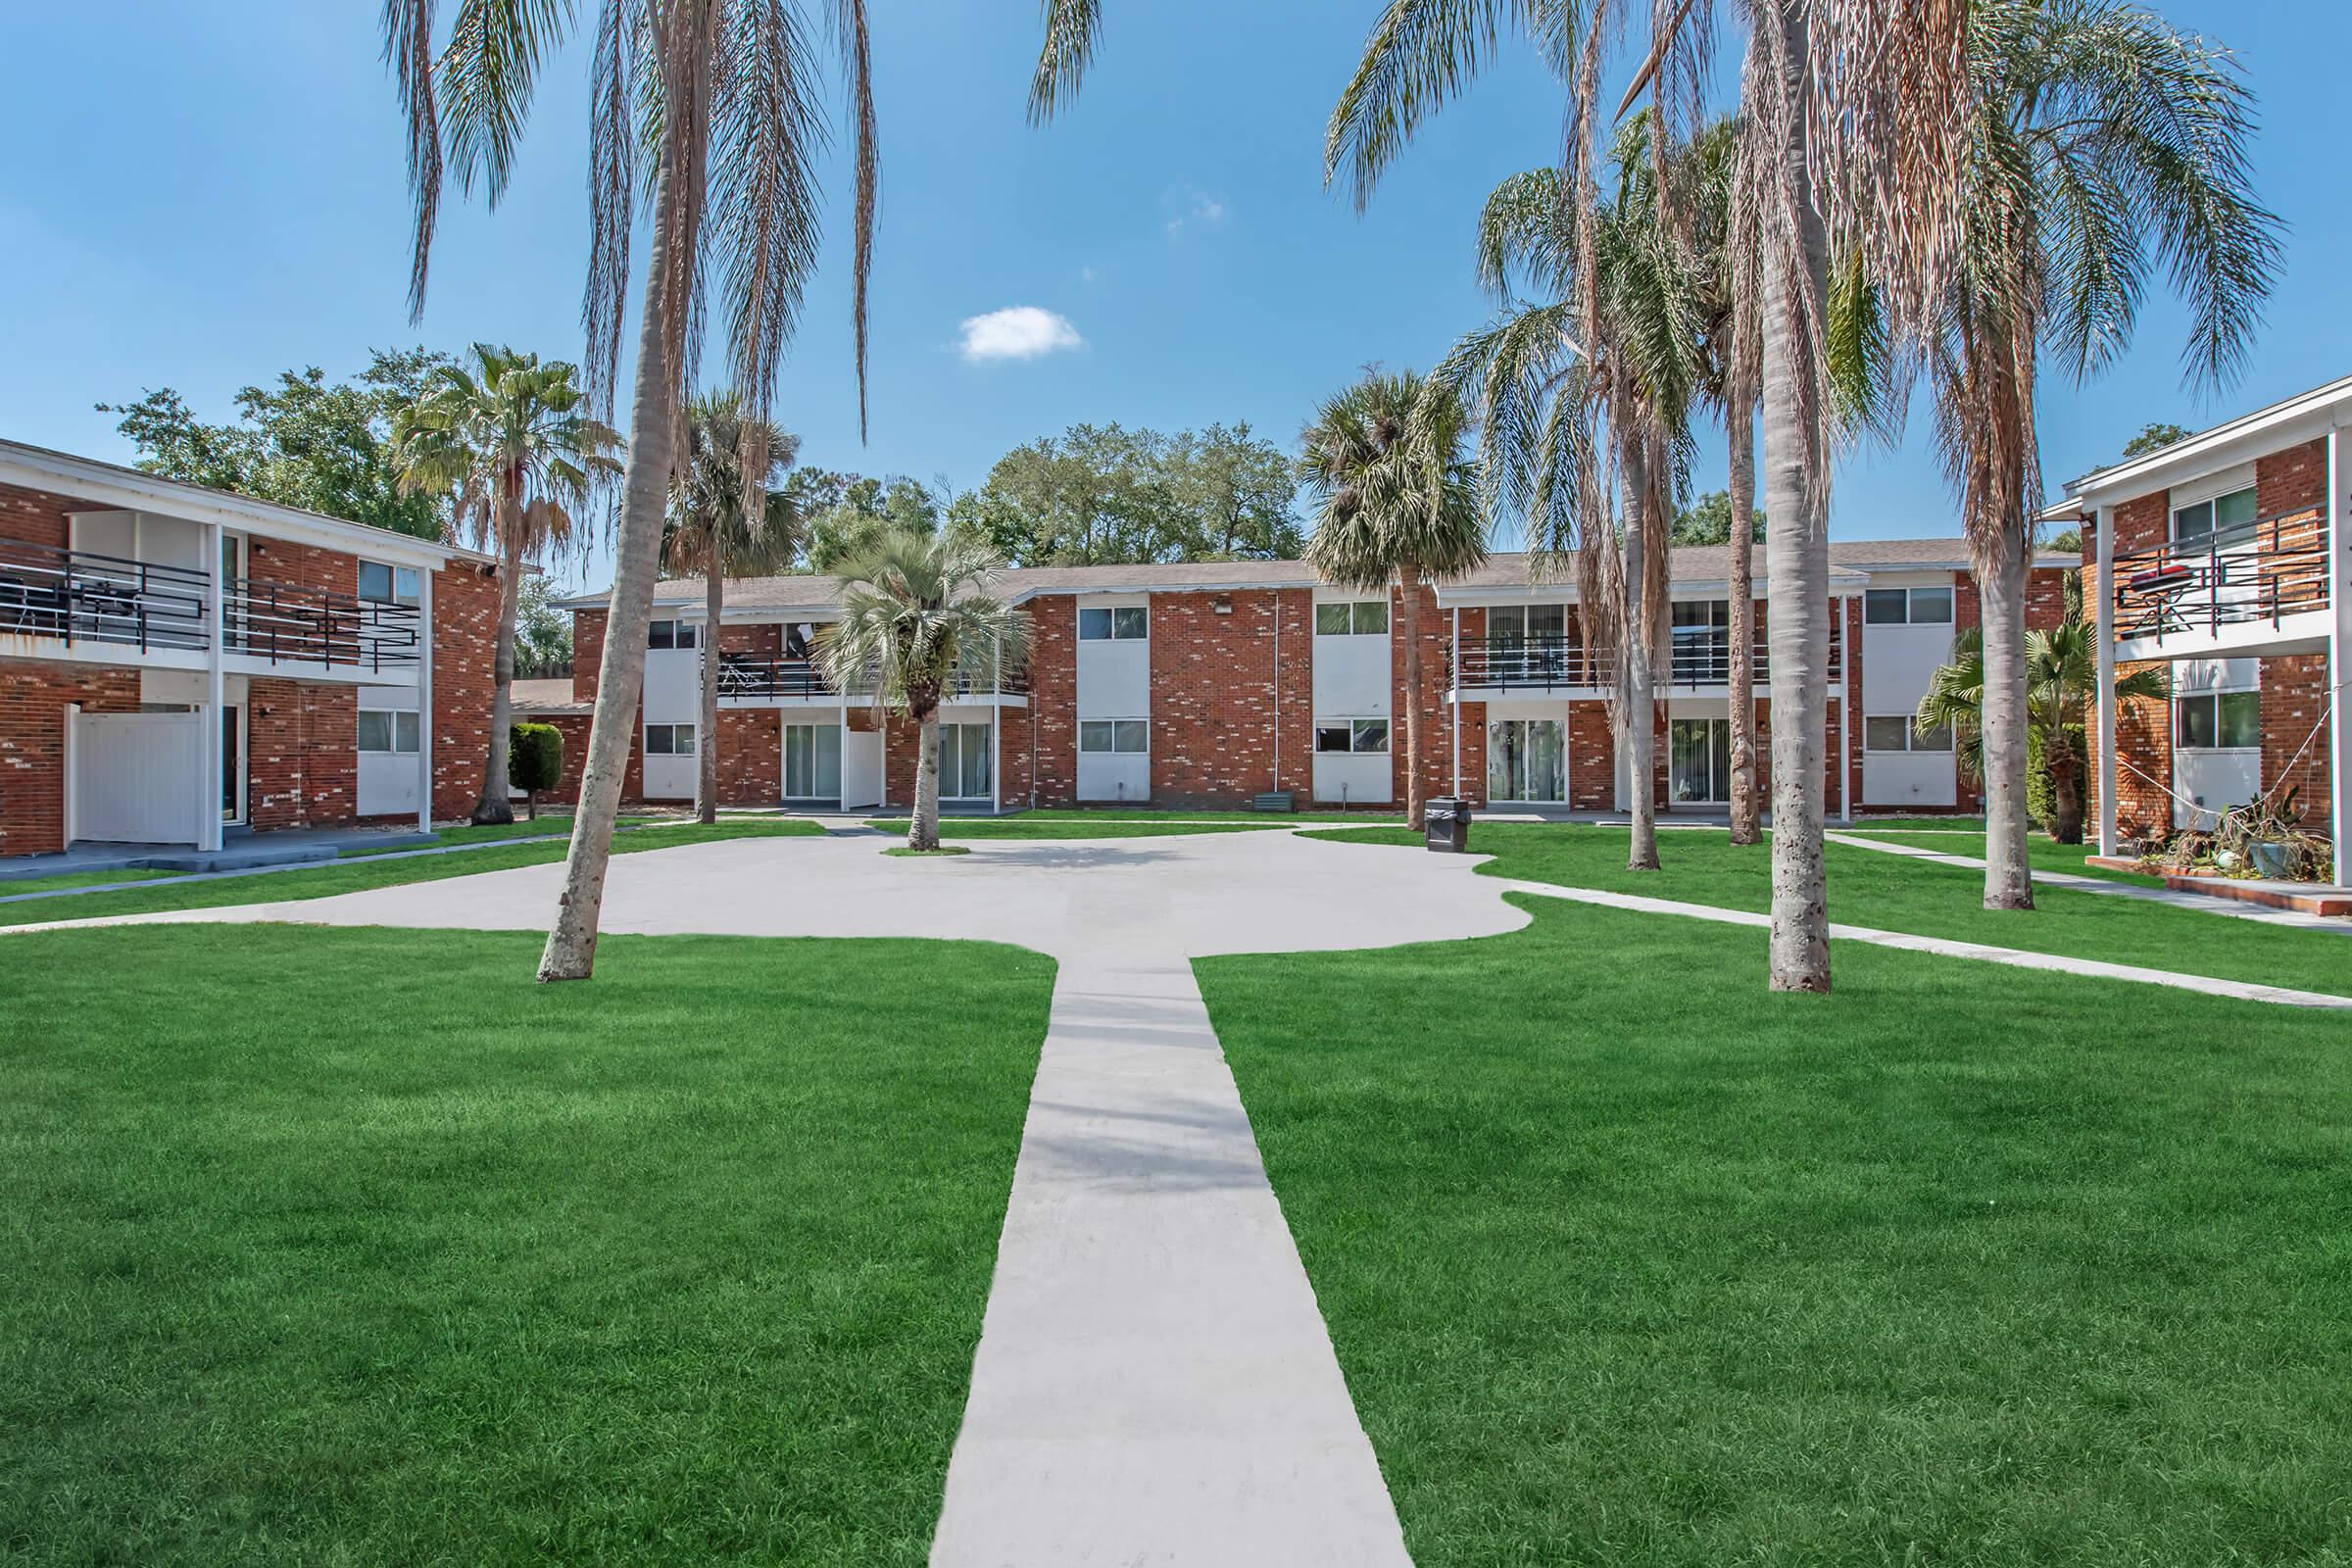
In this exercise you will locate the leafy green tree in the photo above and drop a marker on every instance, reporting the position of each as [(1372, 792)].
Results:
[(2154, 436), (509, 439), (914, 614), (1396, 503), (714, 536), (542, 632), (1235, 492), (301, 442), (1708, 522), (1106, 493)]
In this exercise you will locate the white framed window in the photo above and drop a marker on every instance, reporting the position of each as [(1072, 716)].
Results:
[(2223, 520), (389, 730), (1360, 737), (670, 740), (1121, 623), (1127, 737), (671, 634), (964, 763), (1895, 733), (1358, 618), (1510, 624), (1907, 606), (387, 584), (2218, 721)]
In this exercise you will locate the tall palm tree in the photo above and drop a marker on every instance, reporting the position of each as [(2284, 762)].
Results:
[(712, 537), (711, 104), (2105, 141), (1396, 504), (511, 438), (917, 616)]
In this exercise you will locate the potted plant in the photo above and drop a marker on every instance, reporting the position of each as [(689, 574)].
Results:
[(2265, 840)]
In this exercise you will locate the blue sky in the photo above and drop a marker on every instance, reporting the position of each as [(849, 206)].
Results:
[(199, 204)]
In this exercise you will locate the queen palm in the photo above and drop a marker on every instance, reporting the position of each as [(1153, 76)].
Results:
[(1396, 504), (916, 617), (711, 106), (712, 537), (2105, 140), (511, 438)]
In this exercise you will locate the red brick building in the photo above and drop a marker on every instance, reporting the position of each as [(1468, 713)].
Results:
[(1212, 683), (180, 666), (2223, 558)]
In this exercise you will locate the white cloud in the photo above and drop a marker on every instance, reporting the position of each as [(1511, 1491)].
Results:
[(1199, 206), (1018, 332)]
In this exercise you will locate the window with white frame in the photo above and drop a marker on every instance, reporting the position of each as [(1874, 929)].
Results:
[(387, 584), (1897, 733), (671, 634), (1359, 618), (1508, 625), (964, 763), (670, 740), (1907, 606), (1124, 737), (2223, 520), (1360, 737), (389, 731), (2218, 721), (1119, 623)]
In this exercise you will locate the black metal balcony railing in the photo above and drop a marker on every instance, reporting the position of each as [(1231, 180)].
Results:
[(76, 596), (2259, 571), (1542, 663), (284, 624), (756, 677)]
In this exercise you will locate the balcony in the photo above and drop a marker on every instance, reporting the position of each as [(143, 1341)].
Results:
[(73, 597), (1707, 660), (1553, 663), (278, 623), (756, 679), (2236, 584)]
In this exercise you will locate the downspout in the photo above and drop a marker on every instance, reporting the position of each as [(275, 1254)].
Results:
[(1276, 691), (1453, 700)]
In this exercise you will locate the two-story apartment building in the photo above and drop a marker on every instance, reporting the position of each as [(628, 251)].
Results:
[(1212, 683), (180, 665), (2225, 558)]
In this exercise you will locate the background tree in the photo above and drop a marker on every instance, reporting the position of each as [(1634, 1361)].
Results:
[(844, 513), (534, 762), (712, 538), (1105, 493), (1396, 504), (542, 632), (914, 612), (302, 442), (2154, 436), (511, 441), (1707, 521), (1236, 493), (2106, 142), (713, 102)]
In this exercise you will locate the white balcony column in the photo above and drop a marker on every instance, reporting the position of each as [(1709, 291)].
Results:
[(2340, 653), (1847, 726), (425, 699), (215, 598), (2103, 519), (1453, 696)]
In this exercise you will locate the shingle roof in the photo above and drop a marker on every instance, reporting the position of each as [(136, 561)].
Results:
[(547, 697)]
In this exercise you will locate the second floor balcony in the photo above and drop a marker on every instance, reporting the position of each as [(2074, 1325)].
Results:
[(760, 679), (1562, 664), (2241, 584)]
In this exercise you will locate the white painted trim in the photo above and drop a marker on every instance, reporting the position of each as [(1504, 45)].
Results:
[(425, 705), (2207, 487), (72, 794), (2283, 425), (210, 831), (1453, 698), (2105, 761), (2339, 651)]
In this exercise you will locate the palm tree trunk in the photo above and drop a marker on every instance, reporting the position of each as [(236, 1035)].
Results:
[(2066, 786), (1797, 558), (922, 832), (1640, 717), (706, 772), (1742, 422), (493, 804), (621, 676), (2001, 588), (1408, 581)]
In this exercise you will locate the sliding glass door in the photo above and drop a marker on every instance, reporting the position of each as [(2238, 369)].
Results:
[(1699, 760), (963, 762), (813, 762), (1527, 759)]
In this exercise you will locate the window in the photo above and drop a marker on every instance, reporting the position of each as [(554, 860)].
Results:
[(1508, 625), (1363, 737), (2220, 722), (963, 761), (812, 762), (1527, 759), (1896, 734), (1914, 606), (1702, 642), (671, 634), (670, 740), (386, 730), (387, 584), (1362, 618), (1123, 624), (1131, 737), (2225, 520)]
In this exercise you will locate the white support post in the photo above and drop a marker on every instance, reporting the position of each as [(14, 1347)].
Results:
[(72, 782), (841, 782), (1453, 698), (1845, 710), (208, 815), (424, 701), (2339, 654), (2104, 521)]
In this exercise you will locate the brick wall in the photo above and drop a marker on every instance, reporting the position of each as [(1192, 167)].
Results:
[(32, 745), (1213, 696), (1051, 737), (302, 755), (750, 755), (2294, 701), (1437, 732), (36, 516), (2290, 480), (465, 673), (587, 652)]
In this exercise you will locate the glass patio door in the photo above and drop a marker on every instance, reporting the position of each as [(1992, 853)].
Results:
[(963, 762), (1699, 760), (1527, 759), (813, 762)]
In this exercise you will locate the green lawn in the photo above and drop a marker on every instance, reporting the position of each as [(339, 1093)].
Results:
[(359, 1247), (1116, 814), (379, 871), (1628, 1261), (1030, 827), (1897, 893), (78, 880), (2046, 853), (550, 825)]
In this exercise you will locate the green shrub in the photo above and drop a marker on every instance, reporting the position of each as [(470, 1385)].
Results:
[(534, 761)]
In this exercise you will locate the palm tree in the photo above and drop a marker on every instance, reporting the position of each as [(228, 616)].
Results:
[(712, 102), (711, 536), (510, 437), (2061, 668), (1396, 504), (2105, 140), (916, 617)]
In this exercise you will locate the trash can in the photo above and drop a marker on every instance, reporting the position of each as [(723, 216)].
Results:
[(1447, 824)]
